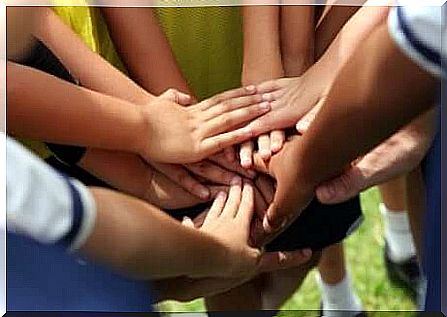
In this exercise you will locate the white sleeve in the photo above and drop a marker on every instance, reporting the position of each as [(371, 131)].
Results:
[(419, 30), (43, 204)]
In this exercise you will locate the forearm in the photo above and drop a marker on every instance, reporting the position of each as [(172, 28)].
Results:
[(140, 240), (89, 68), (297, 39), (144, 49), (355, 31), (126, 172), (368, 99), (262, 52), (43, 107)]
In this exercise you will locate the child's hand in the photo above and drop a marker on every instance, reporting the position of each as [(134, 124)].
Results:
[(228, 220), (176, 134), (291, 99), (268, 144)]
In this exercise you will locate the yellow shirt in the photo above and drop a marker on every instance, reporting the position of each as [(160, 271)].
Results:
[(207, 42)]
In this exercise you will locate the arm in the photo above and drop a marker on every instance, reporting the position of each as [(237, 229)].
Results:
[(261, 61), (144, 49), (34, 112), (262, 52), (375, 107), (296, 96), (297, 39)]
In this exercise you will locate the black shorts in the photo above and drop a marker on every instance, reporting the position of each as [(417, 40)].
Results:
[(317, 227)]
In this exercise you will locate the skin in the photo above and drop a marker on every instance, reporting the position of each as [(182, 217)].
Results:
[(228, 255), (269, 31), (376, 85)]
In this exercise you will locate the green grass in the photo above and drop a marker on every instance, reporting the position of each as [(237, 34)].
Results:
[(364, 257)]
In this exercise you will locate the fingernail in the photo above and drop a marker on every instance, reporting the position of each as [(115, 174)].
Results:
[(301, 126), (236, 181), (204, 193), (275, 147), (307, 252), (221, 195), (246, 163), (250, 88), (264, 105), (282, 257), (268, 228), (265, 154), (267, 97)]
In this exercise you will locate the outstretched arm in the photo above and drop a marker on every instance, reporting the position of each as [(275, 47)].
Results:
[(372, 100)]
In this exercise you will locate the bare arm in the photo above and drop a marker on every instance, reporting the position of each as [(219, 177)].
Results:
[(144, 49), (262, 52), (89, 68), (136, 238), (44, 107), (373, 99)]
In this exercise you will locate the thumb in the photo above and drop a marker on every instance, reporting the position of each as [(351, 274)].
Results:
[(341, 188), (178, 97), (187, 222), (304, 123)]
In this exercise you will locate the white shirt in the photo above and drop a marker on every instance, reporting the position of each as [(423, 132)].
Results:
[(418, 29), (44, 205)]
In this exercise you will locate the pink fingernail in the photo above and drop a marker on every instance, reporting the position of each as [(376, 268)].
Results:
[(236, 181), (204, 193), (250, 88), (264, 105), (267, 97), (307, 252)]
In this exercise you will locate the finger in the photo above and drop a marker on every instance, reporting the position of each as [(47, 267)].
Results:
[(259, 164), (198, 221), (284, 208), (264, 147), (211, 172), (246, 207), (246, 154), (260, 204), (303, 124), (229, 94), (216, 207), (234, 199), (266, 186), (271, 85), (187, 222), (217, 143), (341, 188), (178, 97), (229, 120), (234, 166), (181, 177), (273, 261), (230, 105), (277, 138), (230, 154)]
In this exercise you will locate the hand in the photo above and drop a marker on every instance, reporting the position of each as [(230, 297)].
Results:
[(187, 289), (228, 220), (218, 170), (398, 155), (166, 194), (177, 134), (267, 144), (290, 99), (291, 196)]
